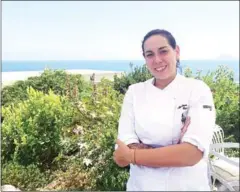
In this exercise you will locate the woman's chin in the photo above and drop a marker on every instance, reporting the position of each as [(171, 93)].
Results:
[(161, 76), (164, 76)]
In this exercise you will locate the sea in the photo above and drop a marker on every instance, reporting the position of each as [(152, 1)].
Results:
[(113, 65)]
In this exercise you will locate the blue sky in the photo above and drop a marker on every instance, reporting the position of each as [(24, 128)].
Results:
[(74, 30)]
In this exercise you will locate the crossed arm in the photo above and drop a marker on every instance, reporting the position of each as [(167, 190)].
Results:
[(142, 154), (179, 155)]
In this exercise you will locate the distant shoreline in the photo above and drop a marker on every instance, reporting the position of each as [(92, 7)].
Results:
[(106, 65), (8, 78)]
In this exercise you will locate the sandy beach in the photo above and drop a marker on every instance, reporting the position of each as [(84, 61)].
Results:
[(9, 78)]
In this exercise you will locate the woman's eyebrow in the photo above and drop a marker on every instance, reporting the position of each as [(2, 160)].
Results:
[(162, 47), (149, 51)]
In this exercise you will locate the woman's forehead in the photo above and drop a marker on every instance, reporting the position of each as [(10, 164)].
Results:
[(155, 42)]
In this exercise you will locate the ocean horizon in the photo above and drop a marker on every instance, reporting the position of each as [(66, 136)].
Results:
[(111, 65)]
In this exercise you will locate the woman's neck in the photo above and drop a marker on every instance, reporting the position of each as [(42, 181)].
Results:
[(163, 83)]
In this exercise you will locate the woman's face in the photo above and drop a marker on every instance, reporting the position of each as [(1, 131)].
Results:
[(160, 57)]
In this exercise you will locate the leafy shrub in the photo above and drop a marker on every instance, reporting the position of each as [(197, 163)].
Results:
[(137, 74), (98, 118), (58, 81), (73, 178), (232, 152), (31, 131), (26, 178)]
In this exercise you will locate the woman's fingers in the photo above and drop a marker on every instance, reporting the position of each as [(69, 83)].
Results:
[(120, 155), (119, 161)]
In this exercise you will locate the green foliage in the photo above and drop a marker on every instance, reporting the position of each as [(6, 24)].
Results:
[(232, 152), (73, 178), (93, 134), (26, 178), (98, 118), (31, 130), (226, 99), (137, 74), (58, 81)]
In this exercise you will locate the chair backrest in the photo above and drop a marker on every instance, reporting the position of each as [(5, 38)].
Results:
[(218, 137)]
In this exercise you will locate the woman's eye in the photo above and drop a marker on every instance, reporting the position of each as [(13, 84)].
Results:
[(163, 51), (149, 55)]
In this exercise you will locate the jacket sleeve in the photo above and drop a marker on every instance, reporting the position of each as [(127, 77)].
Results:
[(203, 115), (126, 126)]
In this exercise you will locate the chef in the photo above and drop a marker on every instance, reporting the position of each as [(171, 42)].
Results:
[(154, 113)]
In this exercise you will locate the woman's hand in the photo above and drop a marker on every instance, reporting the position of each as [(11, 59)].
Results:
[(123, 155)]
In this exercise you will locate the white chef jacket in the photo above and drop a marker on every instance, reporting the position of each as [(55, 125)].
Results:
[(153, 116)]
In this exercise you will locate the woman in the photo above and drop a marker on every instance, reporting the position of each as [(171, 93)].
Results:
[(161, 156)]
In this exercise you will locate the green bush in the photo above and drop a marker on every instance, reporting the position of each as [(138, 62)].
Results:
[(26, 178), (137, 74), (58, 81), (94, 133), (98, 118), (73, 178), (32, 129)]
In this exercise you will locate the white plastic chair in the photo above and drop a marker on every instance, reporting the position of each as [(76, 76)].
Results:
[(222, 168), (218, 137)]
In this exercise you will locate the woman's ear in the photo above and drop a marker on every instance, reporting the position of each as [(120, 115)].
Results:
[(177, 53)]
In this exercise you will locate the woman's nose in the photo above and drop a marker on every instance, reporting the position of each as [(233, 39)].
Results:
[(158, 59)]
